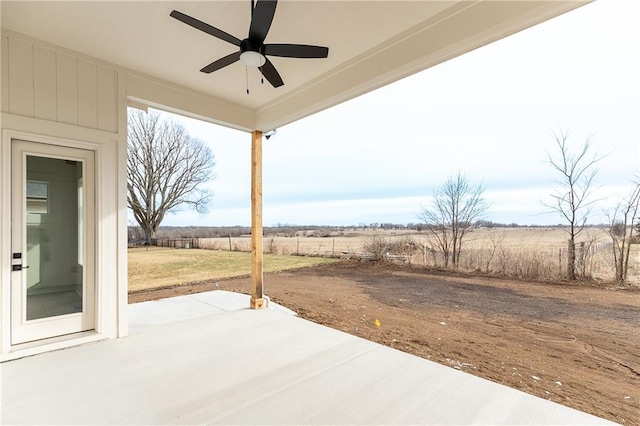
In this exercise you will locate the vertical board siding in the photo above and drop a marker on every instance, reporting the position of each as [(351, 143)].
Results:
[(4, 73), (107, 106), (67, 97), (46, 84), (87, 95), (21, 77)]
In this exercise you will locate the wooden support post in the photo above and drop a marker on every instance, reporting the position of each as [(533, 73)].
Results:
[(257, 295)]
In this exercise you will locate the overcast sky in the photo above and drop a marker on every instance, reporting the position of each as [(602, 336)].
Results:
[(490, 114)]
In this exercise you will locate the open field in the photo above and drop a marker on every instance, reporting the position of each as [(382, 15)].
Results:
[(527, 253), (311, 243), (572, 343), (157, 267)]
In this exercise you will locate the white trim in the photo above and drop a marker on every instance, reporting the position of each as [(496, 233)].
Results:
[(56, 133), (122, 297), (42, 346), (5, 245), (170, 97), (138, 105), (99, 214)]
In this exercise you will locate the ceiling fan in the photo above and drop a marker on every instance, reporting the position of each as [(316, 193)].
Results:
[(252, 50)]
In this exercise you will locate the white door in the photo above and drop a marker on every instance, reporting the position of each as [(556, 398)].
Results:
[(53, 241)]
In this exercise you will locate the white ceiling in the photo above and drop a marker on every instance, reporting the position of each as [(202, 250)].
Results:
[(371, 43)]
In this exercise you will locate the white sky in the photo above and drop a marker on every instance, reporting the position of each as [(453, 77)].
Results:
[(489, 113)]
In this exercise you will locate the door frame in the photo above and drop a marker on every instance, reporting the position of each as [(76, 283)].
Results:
[(109, 312), (22, 330)]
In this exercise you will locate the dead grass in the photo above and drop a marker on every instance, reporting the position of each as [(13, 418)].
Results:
[(524, 253), (157, 267), (551, 239)]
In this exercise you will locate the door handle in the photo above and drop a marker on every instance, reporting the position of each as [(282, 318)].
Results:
[(18, 267)]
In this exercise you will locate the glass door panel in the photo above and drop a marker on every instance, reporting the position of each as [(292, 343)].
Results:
[(54, 252)]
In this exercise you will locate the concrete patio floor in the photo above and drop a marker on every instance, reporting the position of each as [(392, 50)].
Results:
[(207, 359)]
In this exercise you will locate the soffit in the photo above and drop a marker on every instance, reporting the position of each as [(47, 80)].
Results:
[(372, 43)]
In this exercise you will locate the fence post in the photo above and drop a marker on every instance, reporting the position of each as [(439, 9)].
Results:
[(229, 242), (560, 261), (582, 259)]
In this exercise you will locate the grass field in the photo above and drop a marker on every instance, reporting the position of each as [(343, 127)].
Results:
[(526, 253), (552, 238), (158, 267)]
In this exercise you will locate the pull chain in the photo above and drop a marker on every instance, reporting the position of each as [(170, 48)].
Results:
[(246, 75)]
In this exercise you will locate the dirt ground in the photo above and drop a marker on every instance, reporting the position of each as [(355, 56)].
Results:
[(575, 344)]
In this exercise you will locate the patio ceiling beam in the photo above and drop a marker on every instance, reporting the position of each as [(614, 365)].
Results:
[(257, 295)]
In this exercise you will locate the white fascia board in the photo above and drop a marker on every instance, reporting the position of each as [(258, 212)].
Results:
[(454, 32), (142, 90)]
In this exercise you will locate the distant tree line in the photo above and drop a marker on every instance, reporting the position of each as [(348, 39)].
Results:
[(137, 235)]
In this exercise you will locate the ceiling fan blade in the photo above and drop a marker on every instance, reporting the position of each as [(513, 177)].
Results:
[(221, 63), (271, 74), (195, 23), (296, 51), (261, 20)]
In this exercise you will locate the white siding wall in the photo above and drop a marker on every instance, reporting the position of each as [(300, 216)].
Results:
[(41, 83), (55, 96)]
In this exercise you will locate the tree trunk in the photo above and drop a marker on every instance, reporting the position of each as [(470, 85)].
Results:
[(625, 265), (581, 261), (571, 260), (459, 249), (617, 258), (454, 255), (149, 233)]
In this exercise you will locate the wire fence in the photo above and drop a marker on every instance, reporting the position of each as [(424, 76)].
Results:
[(594, 259)]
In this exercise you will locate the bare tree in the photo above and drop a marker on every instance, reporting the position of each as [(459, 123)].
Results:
[(165, 169), (456, 205), (573, 199), (622, 223), (496, 243)]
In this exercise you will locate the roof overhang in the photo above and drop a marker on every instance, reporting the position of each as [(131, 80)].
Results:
[(372, 44)]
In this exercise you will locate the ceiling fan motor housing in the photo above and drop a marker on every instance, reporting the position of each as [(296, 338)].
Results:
[(247, 45)]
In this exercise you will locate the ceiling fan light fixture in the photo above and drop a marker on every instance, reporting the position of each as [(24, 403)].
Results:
[(253, 59)]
